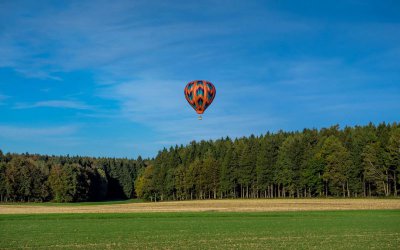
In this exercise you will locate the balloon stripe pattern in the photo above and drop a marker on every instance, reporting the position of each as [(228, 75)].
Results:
[(200, 94)]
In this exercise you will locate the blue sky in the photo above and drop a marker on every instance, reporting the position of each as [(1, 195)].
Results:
[(105, 78)]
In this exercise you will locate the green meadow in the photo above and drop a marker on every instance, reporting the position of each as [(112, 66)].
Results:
[(379, 229)]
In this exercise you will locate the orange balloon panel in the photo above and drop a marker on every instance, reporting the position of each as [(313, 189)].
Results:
[(200, 94)]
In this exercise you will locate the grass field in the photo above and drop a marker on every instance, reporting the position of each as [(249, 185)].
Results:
[(379, 229)]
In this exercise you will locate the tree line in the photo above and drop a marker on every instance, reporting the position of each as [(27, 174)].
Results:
[(39, 178), (357, 161)]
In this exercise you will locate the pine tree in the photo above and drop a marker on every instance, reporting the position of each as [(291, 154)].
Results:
[(393, 161), (337, 164), (60, 183), (374, 169)]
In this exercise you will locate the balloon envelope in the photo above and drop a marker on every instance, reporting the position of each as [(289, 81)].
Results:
[(200, 94)]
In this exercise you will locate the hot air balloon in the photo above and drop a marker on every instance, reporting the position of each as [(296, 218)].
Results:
[(200, 94)]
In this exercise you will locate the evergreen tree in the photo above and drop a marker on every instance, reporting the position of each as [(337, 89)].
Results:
[(374, 169), (393, 161), (337, 164), (60, 183), (211, 170)]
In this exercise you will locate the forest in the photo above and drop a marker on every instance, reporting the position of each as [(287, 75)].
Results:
[(359, 161), (38, 178)]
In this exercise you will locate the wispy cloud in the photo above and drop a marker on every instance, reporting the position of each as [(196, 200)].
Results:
[(161, 106), (147, 100), (55, 104), (121, 40), (244, 107), (3, 97), (21, 132)]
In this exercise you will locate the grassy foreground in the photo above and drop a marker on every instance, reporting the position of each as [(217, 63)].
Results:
[(378, 229)]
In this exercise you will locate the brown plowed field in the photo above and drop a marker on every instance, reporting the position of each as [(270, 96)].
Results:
[(245, 205)]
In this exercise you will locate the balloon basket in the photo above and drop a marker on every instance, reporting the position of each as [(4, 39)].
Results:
[(200, 118)]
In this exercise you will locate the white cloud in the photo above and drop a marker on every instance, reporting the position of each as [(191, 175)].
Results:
[(3, 97), (161, 106), (148, 99), (126, 38), (55, 104), (20, 132)]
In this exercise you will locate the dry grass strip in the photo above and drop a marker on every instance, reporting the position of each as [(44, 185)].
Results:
[(239, 205)]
